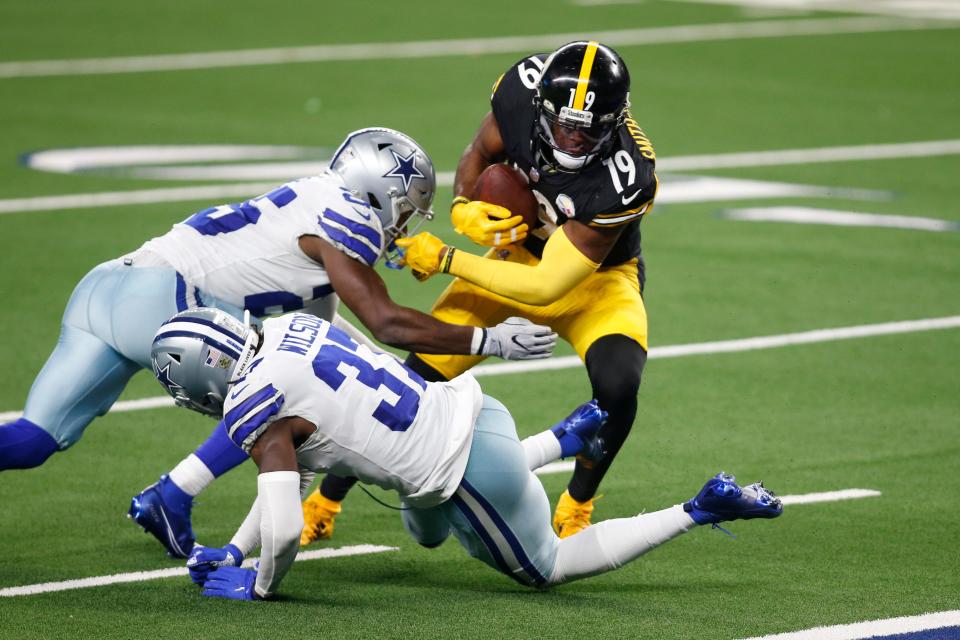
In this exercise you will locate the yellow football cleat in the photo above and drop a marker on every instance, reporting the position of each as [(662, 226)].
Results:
[(572, 516), (318, 515)]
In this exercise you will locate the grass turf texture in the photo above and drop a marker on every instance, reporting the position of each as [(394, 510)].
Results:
[(879, 413)]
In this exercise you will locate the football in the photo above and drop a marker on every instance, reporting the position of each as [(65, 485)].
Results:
[(503, 185)]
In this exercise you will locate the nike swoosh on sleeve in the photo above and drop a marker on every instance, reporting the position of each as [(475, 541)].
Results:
[(627, 200)]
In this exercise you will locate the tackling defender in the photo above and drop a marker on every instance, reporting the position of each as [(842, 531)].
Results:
[(303, 397), (309, 243), (564, 121)]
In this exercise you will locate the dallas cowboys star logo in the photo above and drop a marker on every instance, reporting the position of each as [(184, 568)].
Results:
[(406, 169), (163, 376)]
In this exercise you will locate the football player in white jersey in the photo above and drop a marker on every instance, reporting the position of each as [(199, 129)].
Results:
[(303, 397), (307, 243)]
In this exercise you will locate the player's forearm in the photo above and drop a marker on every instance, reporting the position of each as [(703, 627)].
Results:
[(412, 330), (281, 521), (562, 268), (472, 163), (247, 537)]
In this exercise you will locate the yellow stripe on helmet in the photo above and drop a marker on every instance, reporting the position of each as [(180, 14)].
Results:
[(584, 78)]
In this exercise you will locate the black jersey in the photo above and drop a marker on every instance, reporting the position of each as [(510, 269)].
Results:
[(614, 191)]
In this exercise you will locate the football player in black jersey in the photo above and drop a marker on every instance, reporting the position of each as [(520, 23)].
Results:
[(563, 119)]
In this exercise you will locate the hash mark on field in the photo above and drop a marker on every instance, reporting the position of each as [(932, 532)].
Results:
[(670, 351), (142, 576), (464, 47), (873, 628)]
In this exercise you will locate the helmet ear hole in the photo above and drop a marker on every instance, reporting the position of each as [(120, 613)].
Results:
[(374, 202)]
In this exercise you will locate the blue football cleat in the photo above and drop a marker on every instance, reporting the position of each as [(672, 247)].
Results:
[(577, 432), (722, 499), (163, 510)]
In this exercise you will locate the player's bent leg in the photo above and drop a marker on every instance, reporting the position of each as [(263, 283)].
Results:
[(500, 513), (610, 544), (615, 365), (429, 527), (81, 380)]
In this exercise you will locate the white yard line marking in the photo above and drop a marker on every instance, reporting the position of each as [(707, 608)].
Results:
[(142, 576), (697, 189), (830, 496), (363, 549), (560, 466), (670, 351), (871, 628), (945, 9), (682, 189), (893, 151), (464, 47), (566, 466), (809, 215)]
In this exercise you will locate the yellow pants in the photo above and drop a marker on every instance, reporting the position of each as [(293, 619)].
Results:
[(607, 302)]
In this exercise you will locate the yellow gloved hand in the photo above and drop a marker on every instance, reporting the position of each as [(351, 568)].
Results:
[(487, 224), (422, 254)]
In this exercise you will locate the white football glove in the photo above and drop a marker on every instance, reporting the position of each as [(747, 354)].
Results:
[(516, 339)]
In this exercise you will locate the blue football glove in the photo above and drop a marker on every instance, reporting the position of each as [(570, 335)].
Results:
[(234, 583), (203, 560)]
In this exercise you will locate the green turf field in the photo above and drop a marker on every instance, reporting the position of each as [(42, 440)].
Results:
[(879, 413)]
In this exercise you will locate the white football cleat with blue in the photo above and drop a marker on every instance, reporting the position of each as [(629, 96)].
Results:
[(721, 499), (163, 510)]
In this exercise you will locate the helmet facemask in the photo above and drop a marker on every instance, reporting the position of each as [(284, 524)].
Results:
[(561, 132), (582, 97), (408, 219)]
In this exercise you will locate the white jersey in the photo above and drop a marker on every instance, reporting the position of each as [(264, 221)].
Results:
[(376, 420), (248, 254)]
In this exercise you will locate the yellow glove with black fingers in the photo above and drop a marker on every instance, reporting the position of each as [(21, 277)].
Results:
[(422, 254), (487, 224)]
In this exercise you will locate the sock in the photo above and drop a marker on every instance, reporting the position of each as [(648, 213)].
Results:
[(570, 444), (191, 475), (541, 449), (219, 453), (610, 544), (175, 497), (24, 445)]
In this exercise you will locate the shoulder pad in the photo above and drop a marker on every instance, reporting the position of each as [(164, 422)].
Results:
[(353, 230), (249, 410)]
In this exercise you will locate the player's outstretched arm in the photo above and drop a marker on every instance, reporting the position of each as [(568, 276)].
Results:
[(281, 517), (362, 289), (572, 253)]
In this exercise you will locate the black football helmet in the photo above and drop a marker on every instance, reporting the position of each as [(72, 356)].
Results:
[(582, 97)]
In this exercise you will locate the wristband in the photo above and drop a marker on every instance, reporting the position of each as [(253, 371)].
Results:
[(447, 260), (478, 342), (459, 200)]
